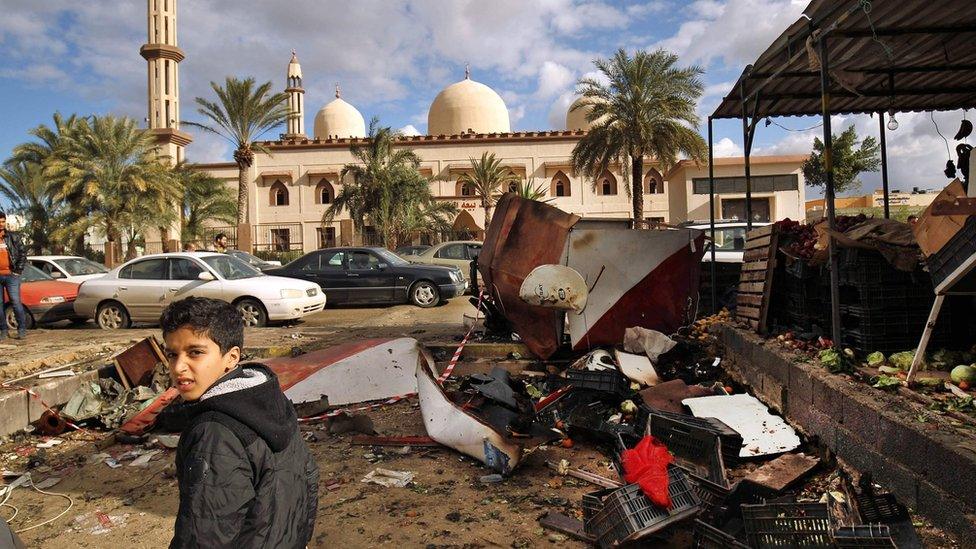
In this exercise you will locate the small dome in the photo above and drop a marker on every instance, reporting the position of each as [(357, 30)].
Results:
[(339, 119), (576, 117), (467, 105)]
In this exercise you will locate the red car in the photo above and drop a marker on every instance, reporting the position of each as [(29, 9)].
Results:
[(46, 300)]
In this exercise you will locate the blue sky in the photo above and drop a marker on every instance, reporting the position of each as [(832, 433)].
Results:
[(393, 56)]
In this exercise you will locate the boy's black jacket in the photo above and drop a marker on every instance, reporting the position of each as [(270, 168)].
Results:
[(246, 476)]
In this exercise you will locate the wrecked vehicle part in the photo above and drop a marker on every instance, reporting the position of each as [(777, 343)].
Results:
[(464, 428), (496, 325), (146, 418), (350, 373), (650, 342), (554, 287), (647, 279), (598, 359), (667, 396), (762, 432), (660, 423), (523, 235), (637, 368)]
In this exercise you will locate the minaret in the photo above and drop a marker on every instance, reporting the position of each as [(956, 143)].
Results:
[(163, 61), (296, 100)]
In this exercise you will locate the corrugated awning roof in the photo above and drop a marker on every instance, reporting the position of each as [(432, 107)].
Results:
[(906, 55)]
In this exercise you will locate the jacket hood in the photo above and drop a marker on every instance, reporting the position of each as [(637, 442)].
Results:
[(251, 394)]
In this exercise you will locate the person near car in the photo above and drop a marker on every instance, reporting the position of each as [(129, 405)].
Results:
[(246, 477), (13, 259), (220, 243), (189, 247)]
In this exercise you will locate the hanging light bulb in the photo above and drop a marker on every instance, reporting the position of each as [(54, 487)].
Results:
[(892, 123)]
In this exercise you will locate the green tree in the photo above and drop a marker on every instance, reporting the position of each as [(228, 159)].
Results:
[(529, 191), (242, 113), (646, 108), (487, 177), (24, 186), (205, 198), (385, 190), (109, 170), (849, 161)]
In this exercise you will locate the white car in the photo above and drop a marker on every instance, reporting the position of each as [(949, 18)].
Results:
[(456, 253), (69, 268), (730, 239), (139, 290)]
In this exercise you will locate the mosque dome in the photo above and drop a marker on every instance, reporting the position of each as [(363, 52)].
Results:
[(339, 119), (467, 105), (576, 117)]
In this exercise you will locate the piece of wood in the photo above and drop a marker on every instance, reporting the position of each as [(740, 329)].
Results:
[(136, 364), (752, 287), (762, 231), (566, 525), (782, 472), (749, 300), (761, 242), (754, 276), (758, 254), (751, 313), (592, 478), (754, 266)]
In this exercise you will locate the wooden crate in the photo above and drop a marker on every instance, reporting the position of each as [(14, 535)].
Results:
[(755, 282)]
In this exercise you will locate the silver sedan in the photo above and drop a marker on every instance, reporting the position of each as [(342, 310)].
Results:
[(139, 290)]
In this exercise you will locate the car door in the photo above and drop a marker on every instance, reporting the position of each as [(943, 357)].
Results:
[(49, 268), (327, 268), (371, 279), (453, 255), (184, 281), (141, 288)]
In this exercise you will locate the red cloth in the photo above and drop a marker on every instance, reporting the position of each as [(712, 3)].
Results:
[(647, 465)]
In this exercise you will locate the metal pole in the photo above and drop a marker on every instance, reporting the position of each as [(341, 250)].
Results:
[(711, 215), (747, 148), (829, 194), (884, 163)]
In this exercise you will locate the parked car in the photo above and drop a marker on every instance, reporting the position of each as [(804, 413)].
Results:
[(139, 290), (254, 260), (456, 253), (730, 239), (45, 299), (68, 267), (375, 275), (404, 251)]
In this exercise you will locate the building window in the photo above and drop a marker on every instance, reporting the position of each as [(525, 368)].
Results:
[(279, 194), (326, 237), (559, 185), (513, 187), (280, 240), (760, 184), (653, 182), (606, 184), (463, 189), (324, 193)]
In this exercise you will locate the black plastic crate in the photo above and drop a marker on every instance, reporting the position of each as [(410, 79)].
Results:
[(610, 381), (804, 525), (707, 536), (887, 344), (954, 253), (868, 535), (713, 496), (660, 422), (880, 508), (619, 515), (881, 323), (869, 268), (890, 297)]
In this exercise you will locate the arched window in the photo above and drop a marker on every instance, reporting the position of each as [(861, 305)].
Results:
[(559, 185), (653, 182), (513, 187), (606, 184), (279, 194), (324, 193), (463, 189)]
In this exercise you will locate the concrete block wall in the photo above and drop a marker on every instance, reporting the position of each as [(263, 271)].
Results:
[(926, 465), (18, 409)]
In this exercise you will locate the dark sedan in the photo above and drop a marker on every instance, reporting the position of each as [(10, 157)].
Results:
[(374, 275)]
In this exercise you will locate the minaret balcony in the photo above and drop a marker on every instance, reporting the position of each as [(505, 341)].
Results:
[(161, 51)]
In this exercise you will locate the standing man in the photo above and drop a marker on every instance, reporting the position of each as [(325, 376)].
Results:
[(220, 243), (13, 258)]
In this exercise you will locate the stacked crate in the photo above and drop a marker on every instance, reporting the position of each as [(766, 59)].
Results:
[(804, 305)]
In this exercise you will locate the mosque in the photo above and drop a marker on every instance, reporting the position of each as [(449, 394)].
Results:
[(290, 189)]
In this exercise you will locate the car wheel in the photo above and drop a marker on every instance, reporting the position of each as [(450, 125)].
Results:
[(424, 294), (252, 312), (112, 316), (12, 318)]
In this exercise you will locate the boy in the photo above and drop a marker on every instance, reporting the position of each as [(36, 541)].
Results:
[(245, 475), (13, 259)]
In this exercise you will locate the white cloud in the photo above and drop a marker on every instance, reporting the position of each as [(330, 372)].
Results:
[(727, 147), (553, 80), (410, 130), (558, 110)]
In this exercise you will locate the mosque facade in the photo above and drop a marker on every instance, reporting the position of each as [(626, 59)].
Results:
[(290, 189)]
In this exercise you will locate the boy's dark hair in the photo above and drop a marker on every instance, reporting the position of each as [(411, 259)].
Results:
[(218, 236), (218, 320), (3, 215)]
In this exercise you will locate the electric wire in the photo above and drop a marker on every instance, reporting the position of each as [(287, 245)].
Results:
[(948, 151)]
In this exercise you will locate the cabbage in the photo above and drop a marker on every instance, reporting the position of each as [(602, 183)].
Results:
[(876, 358), (963, 373), (902, 360)]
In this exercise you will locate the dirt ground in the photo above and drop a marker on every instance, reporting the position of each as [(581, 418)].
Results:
[(447, 505)]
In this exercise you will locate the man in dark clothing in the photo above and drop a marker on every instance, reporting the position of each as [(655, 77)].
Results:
[(13, 259), (245, 475)]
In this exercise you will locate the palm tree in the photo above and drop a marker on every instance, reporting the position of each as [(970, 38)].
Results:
[(242, 113), (387, 191), (24, 186), (486, 178), (109, 170), (205, 198), (646, 109), (526, 189)]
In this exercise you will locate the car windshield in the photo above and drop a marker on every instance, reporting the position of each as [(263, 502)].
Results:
[(77, 266), (230, 267), (246, 257), (33, 274), (730, 239), (391, 258)]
